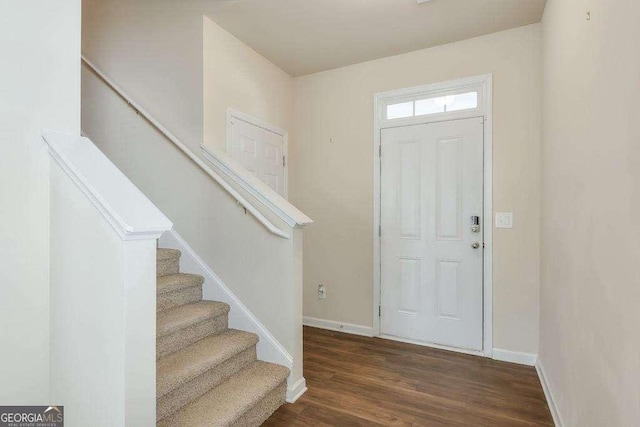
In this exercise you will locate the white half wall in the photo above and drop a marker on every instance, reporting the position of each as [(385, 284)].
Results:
[(39, 88), (103, 317)]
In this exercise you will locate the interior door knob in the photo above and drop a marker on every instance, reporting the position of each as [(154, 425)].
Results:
[(475, 245)]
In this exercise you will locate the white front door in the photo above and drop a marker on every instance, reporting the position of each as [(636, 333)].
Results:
[(260, 151), (432, 255)]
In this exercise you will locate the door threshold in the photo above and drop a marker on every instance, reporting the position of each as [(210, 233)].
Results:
[(438, 346)]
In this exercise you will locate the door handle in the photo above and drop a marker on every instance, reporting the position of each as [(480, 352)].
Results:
[(475, 245)]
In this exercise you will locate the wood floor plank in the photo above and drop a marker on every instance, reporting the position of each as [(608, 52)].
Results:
[(360, 381)]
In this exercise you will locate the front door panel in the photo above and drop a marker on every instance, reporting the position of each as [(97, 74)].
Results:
[(431, 187)]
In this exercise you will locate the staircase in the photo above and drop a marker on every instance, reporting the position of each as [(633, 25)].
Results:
[(206, 373)]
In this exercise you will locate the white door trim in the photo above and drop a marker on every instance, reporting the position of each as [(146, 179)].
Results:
[(484, 85), (233, 113)]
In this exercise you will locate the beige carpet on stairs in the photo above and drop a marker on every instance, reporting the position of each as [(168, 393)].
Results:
[(206, 373)]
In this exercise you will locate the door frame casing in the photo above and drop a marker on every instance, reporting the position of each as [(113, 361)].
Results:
[(247, 118), (484, 85)]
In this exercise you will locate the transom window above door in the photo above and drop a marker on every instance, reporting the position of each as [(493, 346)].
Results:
[(433, 105)]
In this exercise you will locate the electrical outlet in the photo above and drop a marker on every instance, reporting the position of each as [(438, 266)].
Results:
[(504, 219), (322, 292)]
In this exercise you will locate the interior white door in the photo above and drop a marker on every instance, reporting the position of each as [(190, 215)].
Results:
[(432, 256), (260, 151)]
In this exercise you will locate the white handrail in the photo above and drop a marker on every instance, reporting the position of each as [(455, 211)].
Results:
[(171, 137), (264, 194)]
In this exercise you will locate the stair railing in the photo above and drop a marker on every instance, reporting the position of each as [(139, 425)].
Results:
[(171, 137)]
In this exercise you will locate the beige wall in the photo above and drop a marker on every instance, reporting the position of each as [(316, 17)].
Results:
[(189, 87), (590, 285), (152, 49), (182, 67), (236, 76), (332, 182), (39, 88)]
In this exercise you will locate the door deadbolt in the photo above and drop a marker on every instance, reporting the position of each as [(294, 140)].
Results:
[(475, 224)]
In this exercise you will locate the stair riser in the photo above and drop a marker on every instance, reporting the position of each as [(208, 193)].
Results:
[(187, 336), (167, 266), (173, 401), (181, 297), (263, 410)]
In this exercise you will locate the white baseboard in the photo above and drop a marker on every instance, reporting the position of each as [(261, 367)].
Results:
[(528, 359), (268, 348), (348, 328), (296, 390), (548, 395)]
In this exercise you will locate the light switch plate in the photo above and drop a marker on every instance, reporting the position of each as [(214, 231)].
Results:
[(504, 219)]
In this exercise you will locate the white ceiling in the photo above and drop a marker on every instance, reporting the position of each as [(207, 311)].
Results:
[(306, 36)]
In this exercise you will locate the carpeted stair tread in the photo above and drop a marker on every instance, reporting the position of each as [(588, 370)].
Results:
[(184, 365), (171, 402), (206, 374), (231, 400), (163, 254), (176, 282), (183, 316)]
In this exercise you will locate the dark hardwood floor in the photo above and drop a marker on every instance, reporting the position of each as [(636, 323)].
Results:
[(356, 380)]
